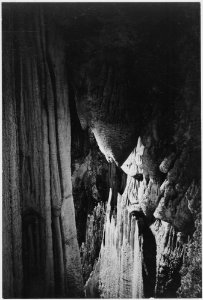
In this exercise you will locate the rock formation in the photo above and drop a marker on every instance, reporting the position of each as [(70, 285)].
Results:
[(101, 150), (41, 254)]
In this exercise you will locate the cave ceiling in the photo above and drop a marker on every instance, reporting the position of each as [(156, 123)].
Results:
[(126, 64), (116, 78)]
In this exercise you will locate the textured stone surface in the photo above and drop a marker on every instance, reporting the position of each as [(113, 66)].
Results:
[(167, 235), (90, 192), (132, 72), (12, 222), (90, 249), (168, 208), (121, 255), (39, 235)]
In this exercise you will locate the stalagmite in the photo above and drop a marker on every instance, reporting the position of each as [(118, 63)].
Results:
[(74, 74), (137, 283), (121, 264)]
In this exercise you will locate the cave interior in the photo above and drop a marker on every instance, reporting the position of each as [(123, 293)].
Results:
[(101, 150)]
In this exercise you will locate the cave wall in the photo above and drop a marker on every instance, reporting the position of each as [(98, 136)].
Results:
[(137, 88), (152, 242), (90, 184), (40, 249), (134, 67), (130, 73)]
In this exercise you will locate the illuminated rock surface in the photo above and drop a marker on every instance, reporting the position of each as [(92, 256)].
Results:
[(129, 75)]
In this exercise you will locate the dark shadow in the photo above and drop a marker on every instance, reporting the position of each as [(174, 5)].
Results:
[(149, 254), (33, 283)]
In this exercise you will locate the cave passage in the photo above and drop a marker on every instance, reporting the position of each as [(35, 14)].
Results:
[(101, 150)]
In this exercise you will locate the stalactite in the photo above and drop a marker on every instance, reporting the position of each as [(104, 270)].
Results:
[(151, 225), (49, 263), (37, 136), (58, 248), (12, 222), (72, 266)]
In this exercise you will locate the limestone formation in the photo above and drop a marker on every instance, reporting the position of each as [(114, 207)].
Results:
[(101, 150)]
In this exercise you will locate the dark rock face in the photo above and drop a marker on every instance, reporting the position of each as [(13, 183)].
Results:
[(41, 254), (90, 192), (140, 59), (164, 169), (129, 75)]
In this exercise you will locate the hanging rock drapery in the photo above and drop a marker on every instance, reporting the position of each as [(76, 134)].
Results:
[(39, 218), (61, 54)]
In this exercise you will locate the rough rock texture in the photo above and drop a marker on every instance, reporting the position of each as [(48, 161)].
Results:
[(163, 108), (131, 73), (164, 215), (40, 248), (121, 255), (191, 270), (12, 222), (90, 191), (147, 59), (90, 249)]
